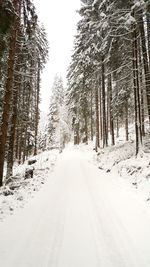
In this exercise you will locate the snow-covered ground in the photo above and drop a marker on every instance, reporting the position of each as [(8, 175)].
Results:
[(81, 217), (122, 163), (18, 192)]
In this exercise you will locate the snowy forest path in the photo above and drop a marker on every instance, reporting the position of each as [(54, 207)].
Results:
[(80, 218)]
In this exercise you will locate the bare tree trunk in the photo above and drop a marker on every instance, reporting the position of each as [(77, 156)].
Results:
[(141, 92), (105, 140), (86, 129), (101, 113), (97, 118), (37, 108), (91, 114), (8, 92), (24, 154), (16, 141), (135, 91), (142, 112), (117, 126), (27, 96), (12, 131), (145, 61), (137, 85), (76, 133), (108, 109), (10, 155), (148, 28), (111, 110), (126, 120), (13, 118)]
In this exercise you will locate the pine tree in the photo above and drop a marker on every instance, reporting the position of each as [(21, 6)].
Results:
[(110, 45), (57, 125), (8, 87), (23, 59)]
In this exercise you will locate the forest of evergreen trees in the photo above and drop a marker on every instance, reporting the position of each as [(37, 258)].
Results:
[(108, 78), (23, 54), (109, 75)]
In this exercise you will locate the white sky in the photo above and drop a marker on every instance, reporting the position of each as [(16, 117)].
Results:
[(59, 18)]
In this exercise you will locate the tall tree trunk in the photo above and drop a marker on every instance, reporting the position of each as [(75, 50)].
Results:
[(117, 125), (91, 114), (10, 155), (86, 129), (13, 117), (25, 152), (148, 28), (12, 130), (100, 113), (135, 91), (27, 97), (97, 118), (16, 141), (145, 61), (141, 91), (137, 84), (8, 91), (142, 111), (108, 110), (20, 144), (37, 108), (105, 140), (126, 120), (111, 110), (76, 132)]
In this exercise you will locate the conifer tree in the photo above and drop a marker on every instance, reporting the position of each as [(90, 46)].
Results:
[(57, 125), (21, 61), (111, 46)]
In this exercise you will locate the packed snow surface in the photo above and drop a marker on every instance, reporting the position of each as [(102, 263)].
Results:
[(81, 217)]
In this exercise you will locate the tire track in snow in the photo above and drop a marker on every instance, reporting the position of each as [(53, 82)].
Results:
[(55, 248), (78, 247)]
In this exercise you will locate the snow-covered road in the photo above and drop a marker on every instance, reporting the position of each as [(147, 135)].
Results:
[(80, 218)]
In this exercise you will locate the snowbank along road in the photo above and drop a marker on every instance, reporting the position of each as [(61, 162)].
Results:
[(80, 218)]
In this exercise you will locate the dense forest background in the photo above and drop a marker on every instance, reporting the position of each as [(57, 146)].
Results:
[(23, 54), (109, 76), (108, 80)]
